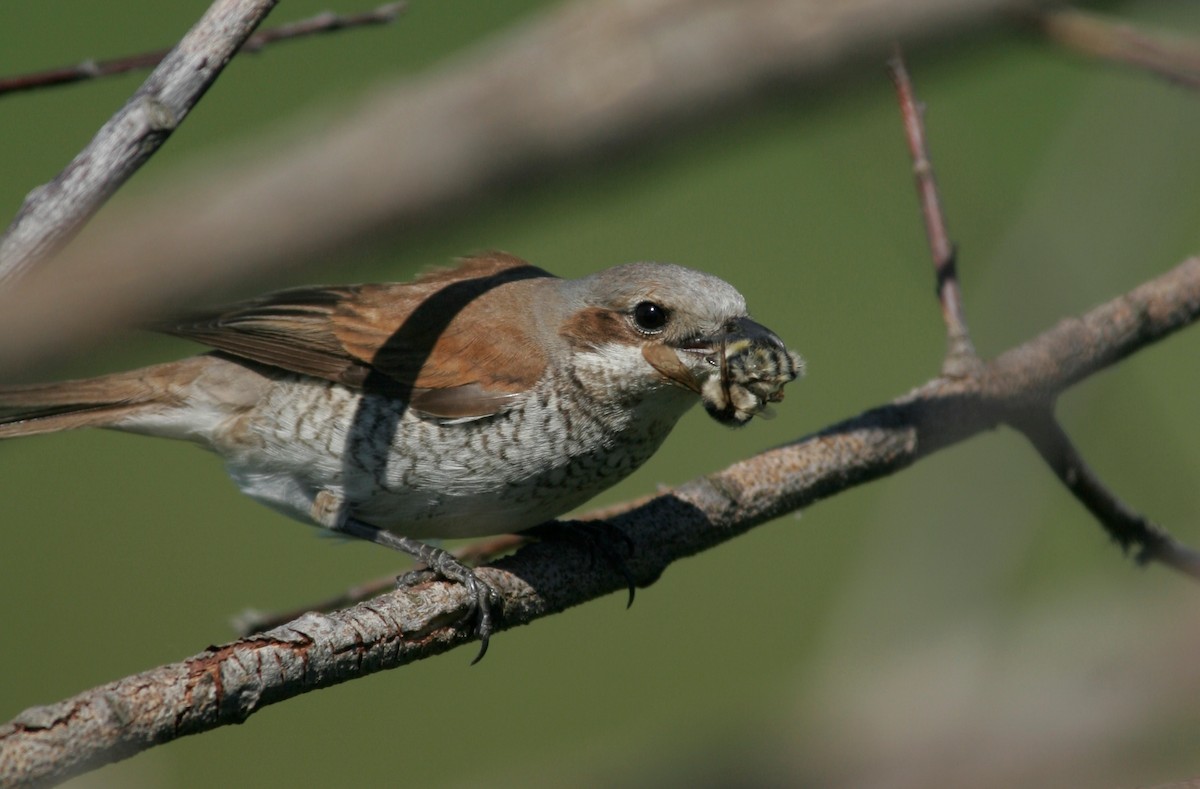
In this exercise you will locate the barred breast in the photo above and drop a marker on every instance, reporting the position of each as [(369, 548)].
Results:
[(420, 477)]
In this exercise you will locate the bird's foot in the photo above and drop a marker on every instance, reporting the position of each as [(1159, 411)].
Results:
[(482, 597)]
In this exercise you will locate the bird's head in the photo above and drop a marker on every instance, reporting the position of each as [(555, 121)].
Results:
[(648, 326)]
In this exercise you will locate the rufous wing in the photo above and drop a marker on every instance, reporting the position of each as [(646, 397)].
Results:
[(454, 343)]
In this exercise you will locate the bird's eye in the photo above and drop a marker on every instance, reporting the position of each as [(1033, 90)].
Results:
[(650, 317)]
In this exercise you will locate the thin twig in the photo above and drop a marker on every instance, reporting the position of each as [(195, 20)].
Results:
[(1126, 527), (1173, 57), (326, 22), (961, 358)]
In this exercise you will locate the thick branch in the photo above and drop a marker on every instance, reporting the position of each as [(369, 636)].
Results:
[(327, 22), (582, 78), (54, 213), (229, 683)]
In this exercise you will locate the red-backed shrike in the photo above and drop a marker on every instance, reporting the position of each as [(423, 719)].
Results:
[(484, 399)]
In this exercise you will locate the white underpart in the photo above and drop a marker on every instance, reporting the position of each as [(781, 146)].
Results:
[(429, 478)]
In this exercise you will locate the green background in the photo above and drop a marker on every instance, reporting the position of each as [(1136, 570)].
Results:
[(963, 622)]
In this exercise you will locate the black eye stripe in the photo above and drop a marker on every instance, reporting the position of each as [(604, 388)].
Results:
[(650, 317)]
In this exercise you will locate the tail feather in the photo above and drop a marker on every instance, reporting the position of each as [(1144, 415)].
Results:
[(94, 402), (186, 399)]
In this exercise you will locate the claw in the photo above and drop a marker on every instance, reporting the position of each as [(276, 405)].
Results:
[(480, 593), (441, 564)]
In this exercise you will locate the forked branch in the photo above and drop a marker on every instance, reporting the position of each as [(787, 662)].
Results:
[(1036, 419)]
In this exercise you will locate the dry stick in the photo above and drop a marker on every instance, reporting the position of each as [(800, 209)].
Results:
[(1175, 58), (227, 684), (327, 22), (961, 358), (1127, 528), (52, 214)]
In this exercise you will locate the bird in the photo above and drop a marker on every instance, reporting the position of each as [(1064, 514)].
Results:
[(486, 398)]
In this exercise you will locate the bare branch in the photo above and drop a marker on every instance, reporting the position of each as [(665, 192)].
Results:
[(1173, 57), (1127, 528), (961, 358), (327, 22), (54, 213), (229, 683), (582, 78)]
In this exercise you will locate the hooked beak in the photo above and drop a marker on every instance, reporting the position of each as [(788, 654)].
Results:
[(736, 336)]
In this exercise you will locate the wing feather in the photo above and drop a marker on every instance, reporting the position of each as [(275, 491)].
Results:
[(433, 341)]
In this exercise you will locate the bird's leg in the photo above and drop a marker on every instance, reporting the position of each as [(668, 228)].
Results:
[(481, 594), (598, 537), (441, 563), (253, 621)]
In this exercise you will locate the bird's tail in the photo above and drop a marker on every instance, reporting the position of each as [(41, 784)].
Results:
[(66, 405), (107, 401)]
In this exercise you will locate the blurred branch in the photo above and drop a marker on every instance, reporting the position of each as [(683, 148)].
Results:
[(227, 684), (327, 22), (1175, 58), (580, 79), (53, 213), (961, 358)]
